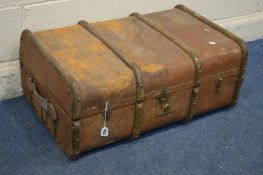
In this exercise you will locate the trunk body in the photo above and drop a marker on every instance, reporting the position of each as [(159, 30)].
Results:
[(132, 74)]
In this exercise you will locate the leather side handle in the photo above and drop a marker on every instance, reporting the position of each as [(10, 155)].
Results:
[(43, 102)]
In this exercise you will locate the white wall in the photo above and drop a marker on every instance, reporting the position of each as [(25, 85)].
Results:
[(243, 17)]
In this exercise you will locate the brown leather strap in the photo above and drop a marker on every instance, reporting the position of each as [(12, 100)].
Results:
[(230, 35), (138, 76), (188, 51)]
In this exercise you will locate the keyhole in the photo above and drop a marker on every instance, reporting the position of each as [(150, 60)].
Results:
[(166, 107)]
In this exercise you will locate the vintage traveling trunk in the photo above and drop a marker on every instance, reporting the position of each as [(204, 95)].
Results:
[(94, 84)]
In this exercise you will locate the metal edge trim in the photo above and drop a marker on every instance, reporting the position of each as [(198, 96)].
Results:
[(75, 140), (138, 77), (189, 52), (230, 35)]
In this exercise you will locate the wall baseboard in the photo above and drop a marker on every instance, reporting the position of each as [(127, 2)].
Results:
[(10, 81), (249, 27)]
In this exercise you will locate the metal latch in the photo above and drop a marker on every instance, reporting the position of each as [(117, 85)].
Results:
[(164, 104), (219, 83)]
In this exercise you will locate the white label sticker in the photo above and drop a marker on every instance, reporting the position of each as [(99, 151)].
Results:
[(104, 132), (212, 42)]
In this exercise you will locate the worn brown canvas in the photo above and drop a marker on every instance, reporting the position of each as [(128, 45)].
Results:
[(96, 83)]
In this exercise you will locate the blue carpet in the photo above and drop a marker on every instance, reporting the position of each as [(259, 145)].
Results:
[(228, 141)]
